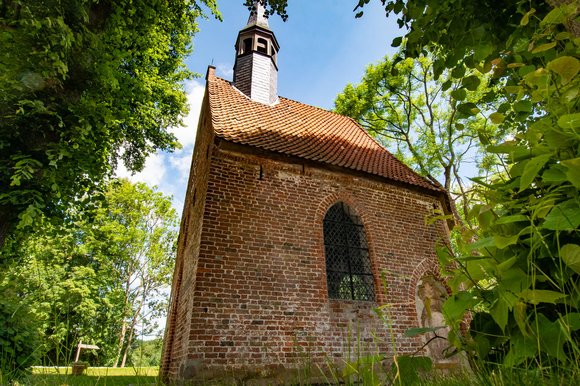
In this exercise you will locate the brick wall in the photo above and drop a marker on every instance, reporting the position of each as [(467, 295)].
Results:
[(260, 298), (176, 341)]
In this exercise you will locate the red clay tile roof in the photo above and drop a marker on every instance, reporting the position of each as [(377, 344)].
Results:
[(304, 131)]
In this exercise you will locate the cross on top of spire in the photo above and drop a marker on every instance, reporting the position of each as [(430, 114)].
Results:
[(258, 15)]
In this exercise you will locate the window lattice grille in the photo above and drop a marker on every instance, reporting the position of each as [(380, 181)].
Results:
[(348, 269)]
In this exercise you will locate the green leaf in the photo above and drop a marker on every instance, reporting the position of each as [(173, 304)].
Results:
[(521, 348), (486, 242), (569, 121), (565, 66), (557, 15), (523, 106), (571, 321), (531, 170), (573, 171), (520, 317), (555, 175), (511, 219), (421, 330), (570, 253), (499, 312), (471, 82), (458, 71), (482, 345), (563, 217), (514, 280), (397, 41), (468, 109), (527, 70), (544, 47), (478, 268), (526, 19), (409, 368), (455, 307), (503, 148), (501, 242), (506, 265), (482, 51), (534, 296), (483, 137), (552, 337), (459, 94), (513, 89), (497, 118)]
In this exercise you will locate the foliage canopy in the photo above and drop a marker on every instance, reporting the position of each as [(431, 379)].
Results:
[(520, 278), (427, 123), (85, 83), (101, 281)]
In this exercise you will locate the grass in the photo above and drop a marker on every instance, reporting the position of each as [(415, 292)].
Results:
[(147, 376), (101, 376)]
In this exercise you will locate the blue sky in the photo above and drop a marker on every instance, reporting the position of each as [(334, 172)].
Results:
[(322, 48)]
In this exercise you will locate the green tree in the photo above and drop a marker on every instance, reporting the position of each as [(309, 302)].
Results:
[(85, 83), (427, 123), (146, 353), (100, 279), (56, 293), (136, 232), (521, 278)]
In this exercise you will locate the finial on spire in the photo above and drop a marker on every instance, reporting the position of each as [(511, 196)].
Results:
[(258, 15)]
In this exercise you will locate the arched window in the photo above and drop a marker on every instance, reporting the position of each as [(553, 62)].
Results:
[(348, 267)]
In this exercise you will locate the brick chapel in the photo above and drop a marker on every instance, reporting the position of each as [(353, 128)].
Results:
[(296, 225)]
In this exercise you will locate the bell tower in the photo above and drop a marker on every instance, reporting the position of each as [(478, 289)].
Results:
[(256, 68)]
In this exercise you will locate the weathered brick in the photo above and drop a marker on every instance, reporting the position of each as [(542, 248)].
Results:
[(256, 263)]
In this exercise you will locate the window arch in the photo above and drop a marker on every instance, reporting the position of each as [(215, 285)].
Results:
[(348, 267)]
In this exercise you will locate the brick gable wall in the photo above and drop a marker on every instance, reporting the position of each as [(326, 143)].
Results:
[(260, 299)]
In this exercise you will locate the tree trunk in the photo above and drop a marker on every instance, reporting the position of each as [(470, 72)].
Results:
[(132, 329), (120, 343), (124, 325), (128, 346)]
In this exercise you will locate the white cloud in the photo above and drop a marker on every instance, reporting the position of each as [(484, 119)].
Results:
[(181, 162), (170, 171), (152, 174), (225, 70), (186, 134)]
